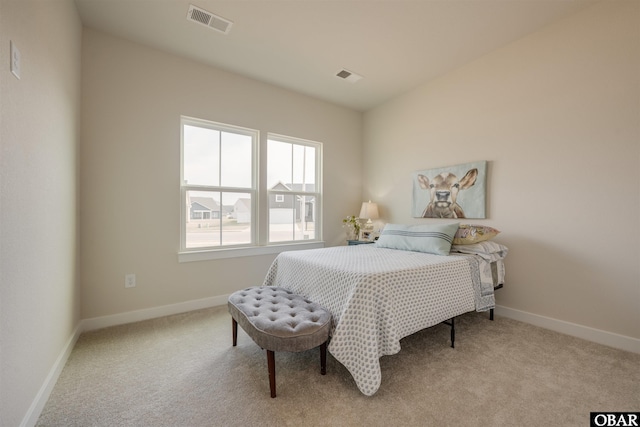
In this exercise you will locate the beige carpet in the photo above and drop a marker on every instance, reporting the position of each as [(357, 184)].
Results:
[(182, 371)]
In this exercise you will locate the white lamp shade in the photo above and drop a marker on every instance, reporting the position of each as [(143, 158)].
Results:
[(369, 210)]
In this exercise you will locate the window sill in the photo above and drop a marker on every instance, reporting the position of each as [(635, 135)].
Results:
[(206, 255)]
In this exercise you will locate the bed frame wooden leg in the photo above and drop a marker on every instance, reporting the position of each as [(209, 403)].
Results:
[(491, 314)]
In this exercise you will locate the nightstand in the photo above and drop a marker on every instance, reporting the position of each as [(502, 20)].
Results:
[(359, 242)]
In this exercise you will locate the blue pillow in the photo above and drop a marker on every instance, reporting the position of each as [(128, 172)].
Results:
[(429, 238)]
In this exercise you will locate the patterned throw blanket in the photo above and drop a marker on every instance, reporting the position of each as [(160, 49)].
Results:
[(487, 266), (377, 296)]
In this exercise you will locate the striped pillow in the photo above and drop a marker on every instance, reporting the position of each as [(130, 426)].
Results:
[(429, 238)]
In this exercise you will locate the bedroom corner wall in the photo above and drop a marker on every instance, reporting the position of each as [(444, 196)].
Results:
[(39, 134), (133, 97), (557, 115)]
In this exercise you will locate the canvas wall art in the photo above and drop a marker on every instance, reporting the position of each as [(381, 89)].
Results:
[(457, 191)]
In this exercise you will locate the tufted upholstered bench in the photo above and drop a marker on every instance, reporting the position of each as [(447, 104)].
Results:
[(279, 320)]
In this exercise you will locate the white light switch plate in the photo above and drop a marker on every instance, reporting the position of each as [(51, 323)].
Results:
[(15, 60), (130, 280)]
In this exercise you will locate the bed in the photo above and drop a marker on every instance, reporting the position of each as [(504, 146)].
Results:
[(378, 295)]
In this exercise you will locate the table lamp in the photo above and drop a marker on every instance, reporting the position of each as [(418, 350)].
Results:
[(369, 211)]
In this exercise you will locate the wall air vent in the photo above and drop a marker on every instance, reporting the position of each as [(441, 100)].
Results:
[(348, 75), (208, 19)]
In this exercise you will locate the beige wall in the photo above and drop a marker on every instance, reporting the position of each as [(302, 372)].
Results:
[(39, 133), (133, 97), (557, 116)]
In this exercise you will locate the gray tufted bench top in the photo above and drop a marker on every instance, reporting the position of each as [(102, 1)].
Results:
[(279, 320)]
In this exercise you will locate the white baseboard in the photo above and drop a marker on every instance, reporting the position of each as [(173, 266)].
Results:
[(151, 313), (590, 334), (31, 417)]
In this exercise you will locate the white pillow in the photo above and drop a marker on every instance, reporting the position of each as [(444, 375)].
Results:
[(429, 238), (487, 247)]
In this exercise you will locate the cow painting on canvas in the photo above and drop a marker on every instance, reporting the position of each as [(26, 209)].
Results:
[(452, 192), (444, 190)]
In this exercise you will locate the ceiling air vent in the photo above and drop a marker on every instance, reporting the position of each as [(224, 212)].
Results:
[(203, 17), (348, 75)]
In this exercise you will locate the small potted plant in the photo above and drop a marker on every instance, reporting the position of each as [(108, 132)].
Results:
[(352, 224)]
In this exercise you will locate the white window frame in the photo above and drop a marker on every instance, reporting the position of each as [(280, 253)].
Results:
[(316, 193), (259, 199)]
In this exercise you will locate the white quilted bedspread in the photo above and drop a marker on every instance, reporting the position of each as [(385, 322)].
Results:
[(376, 296)]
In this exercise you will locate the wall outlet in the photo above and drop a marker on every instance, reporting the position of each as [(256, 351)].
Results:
[(130, 281)]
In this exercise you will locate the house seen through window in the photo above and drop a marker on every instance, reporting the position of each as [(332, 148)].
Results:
[(221, 188)]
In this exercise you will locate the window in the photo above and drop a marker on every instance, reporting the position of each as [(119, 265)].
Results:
[(218, 185), (221, 189), (293, 178)]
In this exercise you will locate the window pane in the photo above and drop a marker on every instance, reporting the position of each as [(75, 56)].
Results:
[(293, 165), (201, 156), (211, 222), (278, 163), (203, 219), (298, 166), (304, 167), (236, 223), (310, 168), (305, 218), (236, 160), (292, 219)]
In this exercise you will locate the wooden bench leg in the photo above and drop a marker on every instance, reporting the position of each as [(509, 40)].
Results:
[(271, 362), (323, 358), (234, 331)]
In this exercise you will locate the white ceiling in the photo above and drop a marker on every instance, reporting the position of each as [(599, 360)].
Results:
[(301, 44)]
